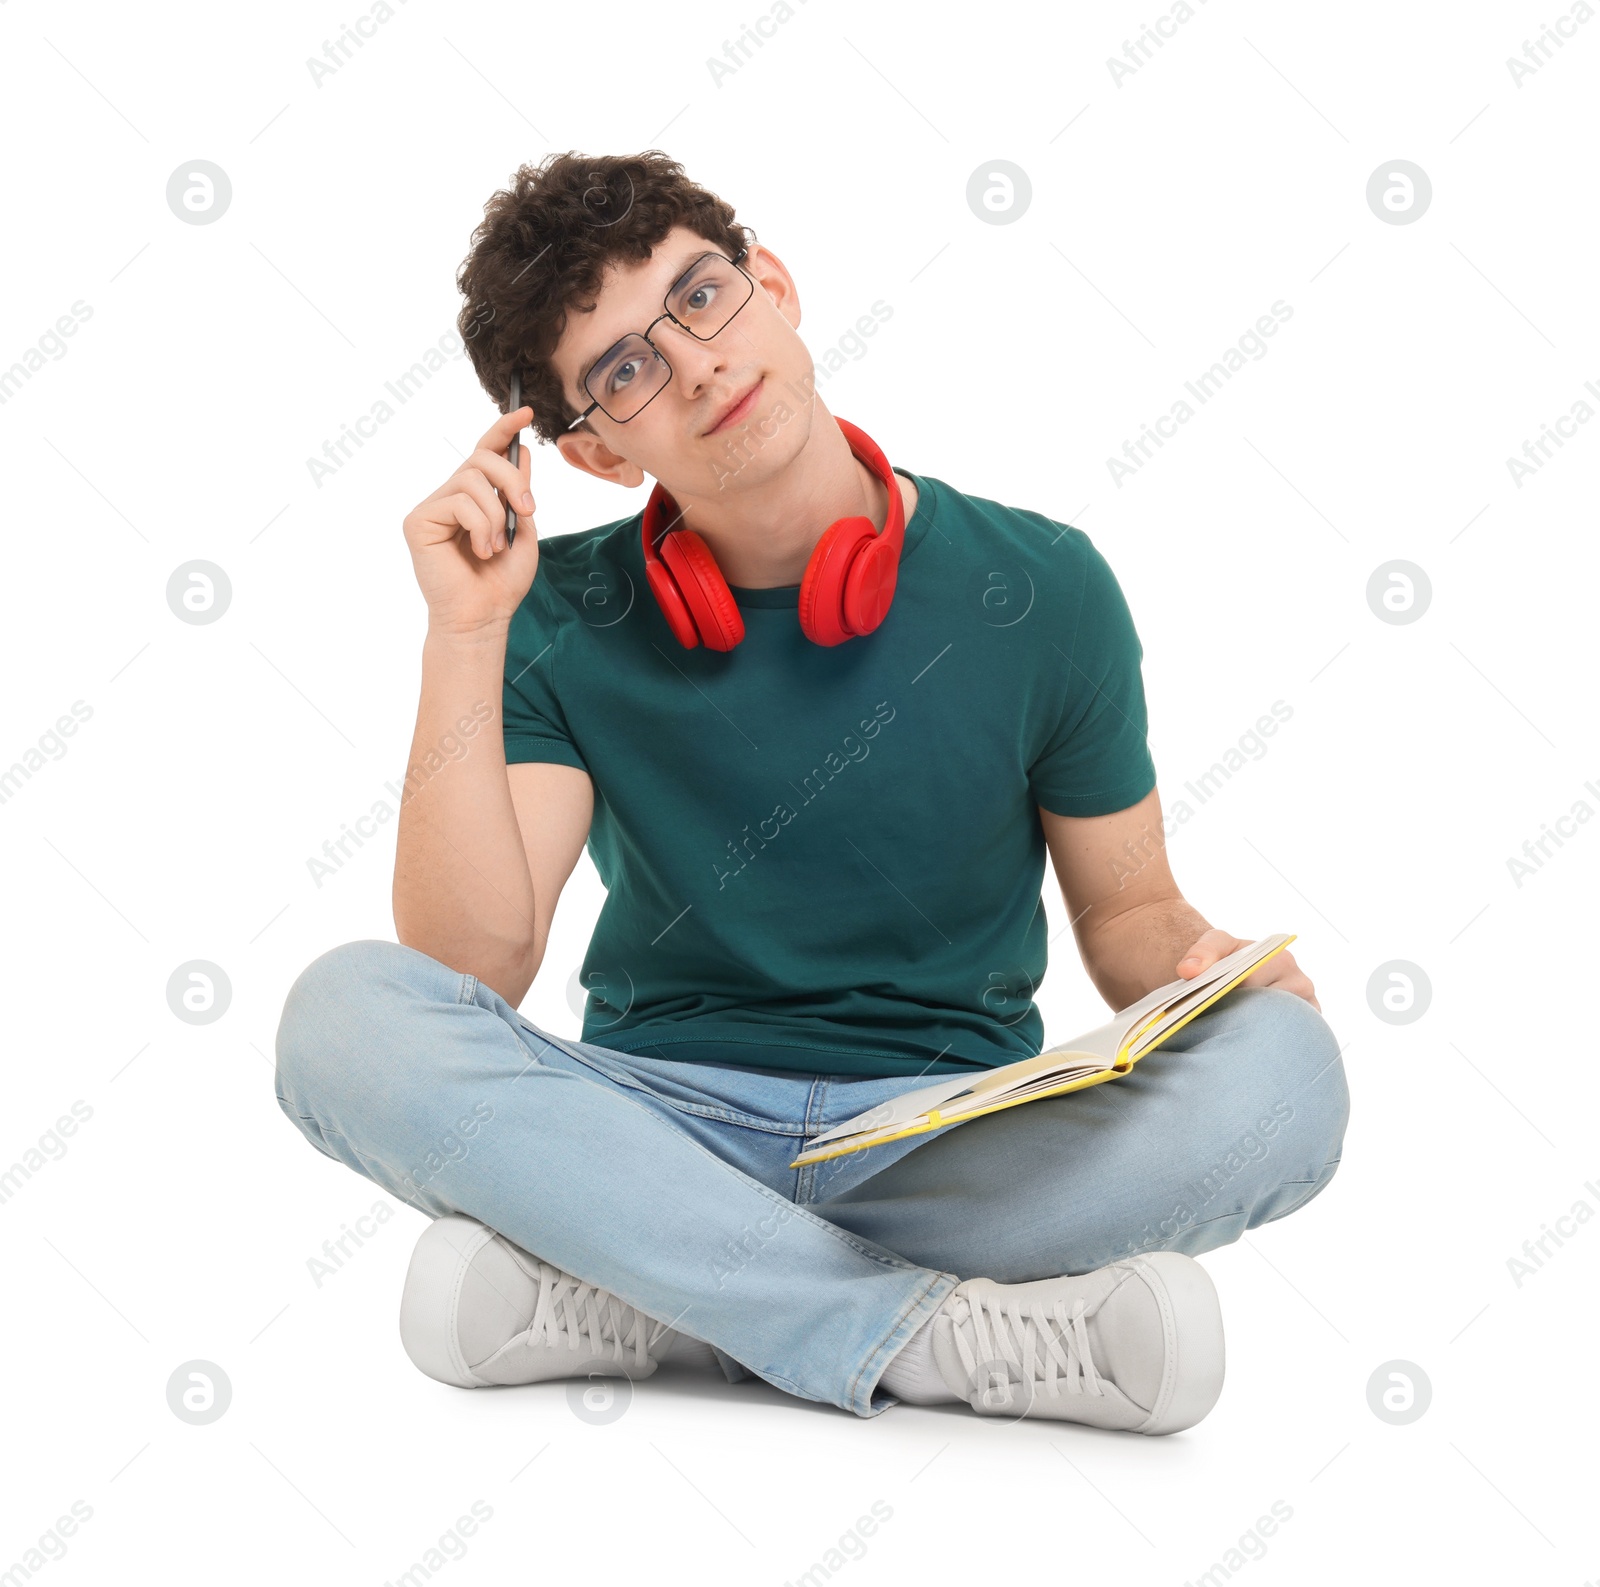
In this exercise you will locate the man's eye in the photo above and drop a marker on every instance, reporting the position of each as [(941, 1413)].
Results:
[(700, 299)]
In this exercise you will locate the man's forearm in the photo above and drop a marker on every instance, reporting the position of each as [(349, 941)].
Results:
[(462, 892), (1138, 950)]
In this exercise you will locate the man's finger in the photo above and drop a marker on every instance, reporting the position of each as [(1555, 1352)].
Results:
[(497, 438), (1205, 953), (511, 480)]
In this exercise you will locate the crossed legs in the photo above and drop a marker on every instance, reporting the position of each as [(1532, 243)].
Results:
[(642, 1177)]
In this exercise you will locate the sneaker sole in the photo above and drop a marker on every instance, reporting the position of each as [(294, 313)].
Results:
[(432, 1291), (1192, 1320)]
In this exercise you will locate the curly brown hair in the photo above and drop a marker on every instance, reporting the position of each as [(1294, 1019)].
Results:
[(542, 250)]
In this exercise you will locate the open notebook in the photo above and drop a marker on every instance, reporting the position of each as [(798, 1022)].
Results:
[(1086, 1060)]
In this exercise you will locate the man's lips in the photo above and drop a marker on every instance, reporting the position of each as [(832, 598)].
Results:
[(739, 409)]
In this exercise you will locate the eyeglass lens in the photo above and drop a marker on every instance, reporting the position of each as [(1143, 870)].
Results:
[(703, 299)]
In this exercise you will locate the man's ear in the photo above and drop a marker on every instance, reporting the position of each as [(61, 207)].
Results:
[(593, 456), (771, 274)]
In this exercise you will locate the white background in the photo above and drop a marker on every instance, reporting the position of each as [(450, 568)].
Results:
[(1167, 214)]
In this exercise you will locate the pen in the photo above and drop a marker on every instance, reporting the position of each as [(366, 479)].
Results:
[(514, 454)]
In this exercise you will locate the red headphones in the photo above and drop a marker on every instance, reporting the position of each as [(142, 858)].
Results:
[(848, 584)]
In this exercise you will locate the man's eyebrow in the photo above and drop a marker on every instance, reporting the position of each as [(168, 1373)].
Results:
[(679, 270), (588, 368)]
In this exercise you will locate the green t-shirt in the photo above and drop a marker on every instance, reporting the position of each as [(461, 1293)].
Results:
[(828, 859)]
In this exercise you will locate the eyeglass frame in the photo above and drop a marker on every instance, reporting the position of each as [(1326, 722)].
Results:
[(667, 314)]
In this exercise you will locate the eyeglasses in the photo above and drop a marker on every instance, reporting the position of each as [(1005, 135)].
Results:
[(634, 372)]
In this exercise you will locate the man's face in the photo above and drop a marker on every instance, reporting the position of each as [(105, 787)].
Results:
[(682, 437)]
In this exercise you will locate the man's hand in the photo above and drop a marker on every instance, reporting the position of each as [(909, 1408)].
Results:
[(470, 579), (1280, 970)]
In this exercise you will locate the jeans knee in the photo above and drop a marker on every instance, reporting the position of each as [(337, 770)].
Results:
[(1311, 1067), (1307, 1076), (333, 999), (1313, 1083), (1280, 1110)]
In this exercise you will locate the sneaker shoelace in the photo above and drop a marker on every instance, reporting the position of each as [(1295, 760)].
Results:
[(1001, 1335), (570, 1314)]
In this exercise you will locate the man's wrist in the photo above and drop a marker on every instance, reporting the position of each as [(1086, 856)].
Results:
[(1138, 950), (491, 635)]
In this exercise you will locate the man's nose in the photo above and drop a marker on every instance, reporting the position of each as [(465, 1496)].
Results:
[(696, 362)]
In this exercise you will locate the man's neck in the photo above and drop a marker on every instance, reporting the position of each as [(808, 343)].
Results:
[(763, 537)]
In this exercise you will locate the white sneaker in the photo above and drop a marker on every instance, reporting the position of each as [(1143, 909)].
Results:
[(1135, 1346), (478, 1310)]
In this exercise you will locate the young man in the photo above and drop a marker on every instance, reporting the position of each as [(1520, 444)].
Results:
[(820, 799)]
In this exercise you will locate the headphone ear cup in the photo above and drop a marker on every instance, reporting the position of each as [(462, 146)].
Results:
[(703, 589), (673, 608), (869, 585), (822, 599), (659, 576)]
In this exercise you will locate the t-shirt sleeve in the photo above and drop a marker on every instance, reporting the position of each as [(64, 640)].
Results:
[(1097, 758), (535, 725)]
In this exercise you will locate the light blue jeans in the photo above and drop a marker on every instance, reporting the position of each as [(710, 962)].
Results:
[(669, 1184)]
